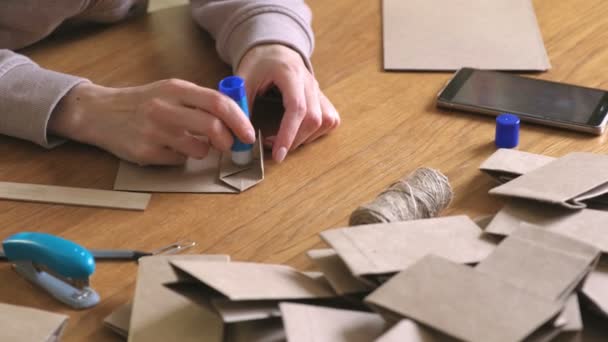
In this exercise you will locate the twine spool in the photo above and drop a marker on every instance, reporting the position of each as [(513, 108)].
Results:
[(422, 194)]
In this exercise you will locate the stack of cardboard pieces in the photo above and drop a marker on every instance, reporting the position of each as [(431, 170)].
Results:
[(566, 196), (426, 280)]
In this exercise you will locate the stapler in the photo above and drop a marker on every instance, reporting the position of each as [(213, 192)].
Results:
[(59, 266)]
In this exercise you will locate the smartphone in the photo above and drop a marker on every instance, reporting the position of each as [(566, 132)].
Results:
[(538, 101)]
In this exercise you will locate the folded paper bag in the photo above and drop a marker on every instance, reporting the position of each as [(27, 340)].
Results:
[(568, 181), (160, 314), (543, 263), (391, 247), (449, 297), (506, 164), (246, 281), (337, 273), (585, 225)]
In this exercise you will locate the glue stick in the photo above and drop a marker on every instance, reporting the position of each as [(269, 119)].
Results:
[(234, 87)]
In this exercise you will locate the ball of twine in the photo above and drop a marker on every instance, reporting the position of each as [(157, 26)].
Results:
[(422, 194)]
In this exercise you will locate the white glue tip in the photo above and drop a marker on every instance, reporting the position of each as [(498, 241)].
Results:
[(242, 158)]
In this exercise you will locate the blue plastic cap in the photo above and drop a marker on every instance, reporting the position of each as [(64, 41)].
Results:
[(233, 87), (507, 131)]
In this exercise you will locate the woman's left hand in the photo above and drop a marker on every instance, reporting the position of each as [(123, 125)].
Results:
[(308, 113)]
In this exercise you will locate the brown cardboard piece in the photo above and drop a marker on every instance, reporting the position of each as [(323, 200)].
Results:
[(23, 324), (392, 247), (585, 225), (463, 302), (410, 331), (546, 264), (306, 323), (242, 311), (595, 288), (448, 34), (572, 315), (568, 181), (214, 174), (267, 330), (337, 273), (73, 196), (507, 164), (244, 281), (120, 319), (160, 314)]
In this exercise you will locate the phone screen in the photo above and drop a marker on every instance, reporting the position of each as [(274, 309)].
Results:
[(536, 98)]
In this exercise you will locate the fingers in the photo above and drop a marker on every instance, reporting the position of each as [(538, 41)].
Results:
[(214, 103), (165, 156), (181, 123), (330, 118), (294, 101), (313, 119), (148, 154)]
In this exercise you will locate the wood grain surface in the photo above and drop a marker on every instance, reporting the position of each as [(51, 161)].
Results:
[(390, 127)]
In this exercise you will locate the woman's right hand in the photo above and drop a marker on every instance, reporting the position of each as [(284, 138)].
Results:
[(158, 123)]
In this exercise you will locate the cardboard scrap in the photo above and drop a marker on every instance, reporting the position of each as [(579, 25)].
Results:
[(19, 323), (448, 34), (463, 302), (243, 281), (305, 323), (572, 315), (241, 311), (506, 164), (595, 288), (267, 330), (410, 331), (546, 264), (337, 273), (214, 174), (569, 181), (73, 196), (160, 314), (392, 247), (586, 225), (120, 320)]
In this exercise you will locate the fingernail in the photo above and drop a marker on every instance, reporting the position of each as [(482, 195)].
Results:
[(281, 154), (251, 136)]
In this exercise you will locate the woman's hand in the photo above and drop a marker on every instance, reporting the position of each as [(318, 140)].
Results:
[(159, 123), (308, 113)]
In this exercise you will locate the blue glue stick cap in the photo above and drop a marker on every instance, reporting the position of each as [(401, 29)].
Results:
[(507, 131), (234, 88)]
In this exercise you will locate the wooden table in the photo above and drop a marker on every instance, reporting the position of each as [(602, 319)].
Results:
[(390, 127)]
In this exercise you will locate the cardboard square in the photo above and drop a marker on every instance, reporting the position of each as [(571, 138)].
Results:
[(392, 247), (305, 323), (462, 302), (450, 34), (19, 323)]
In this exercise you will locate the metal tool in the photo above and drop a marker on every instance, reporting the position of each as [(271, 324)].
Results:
[(127, 254)]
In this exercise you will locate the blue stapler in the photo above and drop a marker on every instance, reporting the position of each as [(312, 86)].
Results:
[(59, 266)]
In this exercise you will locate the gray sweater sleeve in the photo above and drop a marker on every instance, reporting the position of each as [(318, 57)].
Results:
[(239, 25), (28, 95)]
